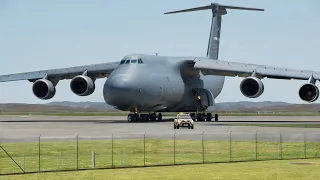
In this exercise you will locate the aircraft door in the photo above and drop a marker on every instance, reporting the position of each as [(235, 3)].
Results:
[(204, 98)]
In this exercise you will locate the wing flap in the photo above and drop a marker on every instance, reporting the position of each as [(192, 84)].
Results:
[(96, 70), (227, 68)]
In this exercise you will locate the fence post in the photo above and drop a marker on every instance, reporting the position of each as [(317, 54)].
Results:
[(174, 148), (39, 169), (305, 143), (112, 150), (77, 151), (93, 159), (124, 157), (203, 147), (256, 144), (230, 147), (144, 148), (280, 145), (24, 162)]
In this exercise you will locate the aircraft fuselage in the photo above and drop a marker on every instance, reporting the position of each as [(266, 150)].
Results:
[(157, 83)]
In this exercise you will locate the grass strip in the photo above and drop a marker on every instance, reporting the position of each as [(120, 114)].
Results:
[(63, 155)]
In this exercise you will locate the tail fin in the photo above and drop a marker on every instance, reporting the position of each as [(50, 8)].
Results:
[(217, 12)]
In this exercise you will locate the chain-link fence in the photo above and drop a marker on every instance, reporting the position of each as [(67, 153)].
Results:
[(42, 154)]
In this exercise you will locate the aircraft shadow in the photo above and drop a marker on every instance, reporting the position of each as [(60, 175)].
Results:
[(85, 121), (125, 121)]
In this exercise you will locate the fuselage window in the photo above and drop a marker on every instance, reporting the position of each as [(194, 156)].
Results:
[(128, 61), (122, 61), (134, 61)]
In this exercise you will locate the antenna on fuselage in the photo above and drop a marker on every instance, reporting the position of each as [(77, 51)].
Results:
[(217, 12)]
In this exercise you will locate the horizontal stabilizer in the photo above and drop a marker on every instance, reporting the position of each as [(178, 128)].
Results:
[(214, 5)]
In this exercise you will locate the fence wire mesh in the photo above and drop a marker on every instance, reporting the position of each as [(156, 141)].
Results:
[(39, 154)]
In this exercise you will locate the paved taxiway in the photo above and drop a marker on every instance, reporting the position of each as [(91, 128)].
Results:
[(39, 118), (28, 128)]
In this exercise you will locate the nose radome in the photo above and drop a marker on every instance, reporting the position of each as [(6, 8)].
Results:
[(119, 82), (118, 90)]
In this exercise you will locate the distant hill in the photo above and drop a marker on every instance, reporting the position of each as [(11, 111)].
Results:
[(101, 106), (248, 105), (84, 104)]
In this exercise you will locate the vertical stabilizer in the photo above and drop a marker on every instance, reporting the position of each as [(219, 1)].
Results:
[(217, 12), (214, 37)]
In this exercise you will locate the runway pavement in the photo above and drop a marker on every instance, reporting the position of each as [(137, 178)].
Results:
[(28, 128), (122, 119), (43, 118)]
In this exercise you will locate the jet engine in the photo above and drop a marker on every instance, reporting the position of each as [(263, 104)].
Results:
[(82, 85), (309, 92), (251, 87), (43, 89)]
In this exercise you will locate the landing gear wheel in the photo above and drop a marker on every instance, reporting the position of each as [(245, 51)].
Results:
[(216, 117), (209, 117), (147, 117), (144, 117), (133, 117), (153, 117), (199, 117), (192, 115), (130, 117), (160, 117), (137, 117)]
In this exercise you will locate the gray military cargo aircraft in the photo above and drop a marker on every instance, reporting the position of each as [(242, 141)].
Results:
[(150, 84)]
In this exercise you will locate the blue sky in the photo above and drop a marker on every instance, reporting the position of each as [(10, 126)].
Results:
[(36, 35)]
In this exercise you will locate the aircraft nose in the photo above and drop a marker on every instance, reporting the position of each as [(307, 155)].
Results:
[(118, 90)]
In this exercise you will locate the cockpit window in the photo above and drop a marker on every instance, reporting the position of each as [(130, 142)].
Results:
[(131, 59)]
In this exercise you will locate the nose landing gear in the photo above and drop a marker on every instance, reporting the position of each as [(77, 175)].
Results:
[(136, 117)]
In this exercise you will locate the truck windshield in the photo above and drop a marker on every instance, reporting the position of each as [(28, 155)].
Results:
[(184, 116)]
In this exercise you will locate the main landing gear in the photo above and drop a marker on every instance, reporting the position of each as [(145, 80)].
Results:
[(203, 102), (135, 117), (204, 117)]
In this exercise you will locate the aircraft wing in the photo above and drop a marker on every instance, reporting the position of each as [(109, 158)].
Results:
[(95, 70), (227, 68)]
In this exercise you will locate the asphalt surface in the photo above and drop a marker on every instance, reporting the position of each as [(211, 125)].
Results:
[(29, 128), (122, 119)]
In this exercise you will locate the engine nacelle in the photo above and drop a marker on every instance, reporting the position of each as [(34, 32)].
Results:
[(251, 87), (82, 85), (43, 89), (309, 92)]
